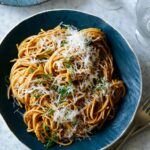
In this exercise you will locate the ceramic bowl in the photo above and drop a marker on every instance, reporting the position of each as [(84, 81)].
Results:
[(126, 63), (21, 2)]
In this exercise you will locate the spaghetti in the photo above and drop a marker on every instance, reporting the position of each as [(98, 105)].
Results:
[(64, 79)]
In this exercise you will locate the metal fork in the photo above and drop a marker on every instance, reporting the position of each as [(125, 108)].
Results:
[(141, 121)]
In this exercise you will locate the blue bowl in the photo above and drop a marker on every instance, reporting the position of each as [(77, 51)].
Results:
[(124, 58), (21, 2)]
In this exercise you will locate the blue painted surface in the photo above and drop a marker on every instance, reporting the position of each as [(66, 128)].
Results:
[(127, 67), (21, 2)]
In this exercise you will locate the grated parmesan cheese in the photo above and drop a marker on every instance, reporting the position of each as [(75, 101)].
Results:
[(36, 61), (64, 114)]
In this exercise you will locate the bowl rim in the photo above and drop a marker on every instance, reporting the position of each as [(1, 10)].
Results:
[(23, 5), (109, 24)]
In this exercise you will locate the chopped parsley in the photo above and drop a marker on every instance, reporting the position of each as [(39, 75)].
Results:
[(37, 96), (38, 76), (46, 76), (68, 59), (74, 122), (50, 111), (42, 78), (40, 81), (49, 143), (62, 101), (63, 43), (65, 26), (68, 65), (63, 91), (55, 137), (70, 82), (31, 70), (101, 84), (45, 127)]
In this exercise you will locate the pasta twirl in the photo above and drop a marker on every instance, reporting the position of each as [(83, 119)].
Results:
[(65, 80)]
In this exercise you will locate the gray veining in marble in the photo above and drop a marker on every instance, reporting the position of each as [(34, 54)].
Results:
[(122, 18)]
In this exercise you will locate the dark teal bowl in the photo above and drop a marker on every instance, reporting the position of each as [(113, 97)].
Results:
[(125, 60)]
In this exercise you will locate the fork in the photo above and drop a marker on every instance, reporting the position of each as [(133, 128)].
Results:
[(141, 121)]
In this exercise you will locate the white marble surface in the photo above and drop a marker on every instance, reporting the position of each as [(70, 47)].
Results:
[(123, 18)]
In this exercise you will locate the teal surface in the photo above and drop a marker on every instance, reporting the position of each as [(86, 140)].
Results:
[(21, 2), (124, 58)]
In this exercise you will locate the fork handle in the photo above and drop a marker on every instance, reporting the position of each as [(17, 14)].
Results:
[(127, 136), (133, 131), (141, 129)]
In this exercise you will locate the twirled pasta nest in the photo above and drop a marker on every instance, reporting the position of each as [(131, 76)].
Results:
[(65, 80)]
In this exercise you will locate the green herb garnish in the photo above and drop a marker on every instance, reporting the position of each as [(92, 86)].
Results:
[(67, 65), (40, 81), (49, 144), (55, 137), (61, 101), (101, 84), (74, 122), (31, 70), (66, 90), (63, 43), (70, 82), (68, 59), (47, 128), (37, 96), (65, 26), (43, 125), (46, 76), (50, 111), (63, 91), (38, 76)]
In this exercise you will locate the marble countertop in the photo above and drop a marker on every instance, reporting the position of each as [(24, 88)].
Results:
[(121, 14)]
